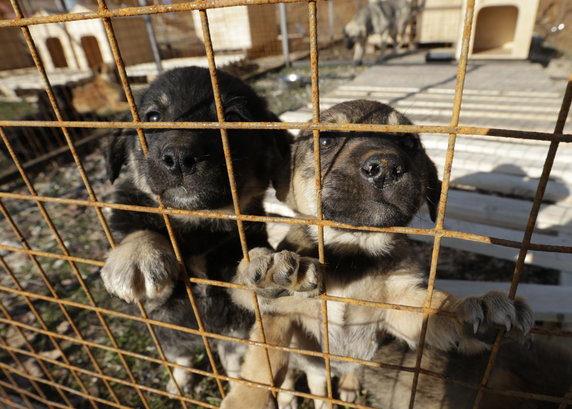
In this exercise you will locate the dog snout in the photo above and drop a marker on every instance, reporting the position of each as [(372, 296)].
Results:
[(349, 41), (383, 169), (178, 160)]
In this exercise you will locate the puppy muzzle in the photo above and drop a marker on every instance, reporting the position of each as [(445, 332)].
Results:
[(349, 41), (383, 170), (178, 160)]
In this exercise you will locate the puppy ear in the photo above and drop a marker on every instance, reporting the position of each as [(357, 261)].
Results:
[(280, 176), (115, 154), (432, 190)]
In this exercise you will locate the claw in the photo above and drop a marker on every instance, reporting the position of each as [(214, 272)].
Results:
[(476, 326), (529, 343), (507, 323)]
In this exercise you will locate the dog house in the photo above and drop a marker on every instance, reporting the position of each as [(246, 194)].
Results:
[(83, 44), (439, 21), (502, 29), (253, 29)]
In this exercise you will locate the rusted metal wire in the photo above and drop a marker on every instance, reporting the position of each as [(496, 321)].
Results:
[(105, 15), (312, 353), (440, 223), (268, 219), (543, 181), (31, 348), (311, 126), (92, 197), (102, 7), (138, 11), (312, 10)]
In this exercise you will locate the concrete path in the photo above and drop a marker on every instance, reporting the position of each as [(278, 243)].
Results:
[(510, 95)]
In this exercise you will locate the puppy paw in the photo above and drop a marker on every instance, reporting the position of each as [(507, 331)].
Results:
[(349, 387), (245, 397), (278, 274), (185, 388), (483, 313), (143, 265), (287, 401)]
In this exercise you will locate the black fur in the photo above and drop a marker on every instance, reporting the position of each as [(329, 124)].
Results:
[(194, 177)]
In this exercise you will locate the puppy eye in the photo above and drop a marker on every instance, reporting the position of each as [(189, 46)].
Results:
[(153, 116), (232, 117), (327, 142)]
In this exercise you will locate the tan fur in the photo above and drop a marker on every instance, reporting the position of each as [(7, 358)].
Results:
[(99, 95), (545, 369), (288, 280), (143, 265)]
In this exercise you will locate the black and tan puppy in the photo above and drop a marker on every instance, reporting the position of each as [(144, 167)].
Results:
[(546, 369), (186, 170), (368, 179)]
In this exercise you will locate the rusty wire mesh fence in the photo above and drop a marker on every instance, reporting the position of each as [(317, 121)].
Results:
[(66, 344)]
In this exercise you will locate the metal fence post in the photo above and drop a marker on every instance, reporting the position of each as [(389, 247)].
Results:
[(284, 33), (152, 38)]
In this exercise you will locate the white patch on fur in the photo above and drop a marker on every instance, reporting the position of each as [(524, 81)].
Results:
[(354, 29), (393, 118), (182, 376), (164, 99), (142, 265), (375, 244), (139, 179)]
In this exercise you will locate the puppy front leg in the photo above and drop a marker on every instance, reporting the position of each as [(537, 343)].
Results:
[(317, 386), (275, 276), (278, 331), (359, 49), (349, 386), (287, 400), (472, 316), (142, 266)]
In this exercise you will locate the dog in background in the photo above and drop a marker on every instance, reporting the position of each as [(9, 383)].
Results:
[(186, 169), (545, 369), (368, 179), (385, 18)]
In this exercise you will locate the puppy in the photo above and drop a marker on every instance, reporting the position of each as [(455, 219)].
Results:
[(376, 17), (367, 179), (186, 169), (381, 17), (546, 369)]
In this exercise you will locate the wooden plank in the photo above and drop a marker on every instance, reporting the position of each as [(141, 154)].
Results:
[(513, 185), (486, 162), (507, 212), (412, 94), (509, 148), (451, 91), (557, 261)]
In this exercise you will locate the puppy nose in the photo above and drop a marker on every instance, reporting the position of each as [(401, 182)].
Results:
[(177, 159), (383, 169)]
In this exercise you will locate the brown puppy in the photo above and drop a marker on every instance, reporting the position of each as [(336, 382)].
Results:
[(368, 179), (546, 369)]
